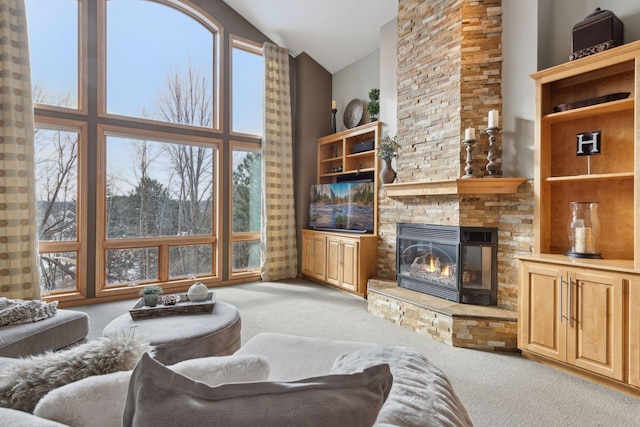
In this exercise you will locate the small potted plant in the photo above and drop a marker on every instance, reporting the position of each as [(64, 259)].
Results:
[(387, 150), (150, 295), (373, 107)]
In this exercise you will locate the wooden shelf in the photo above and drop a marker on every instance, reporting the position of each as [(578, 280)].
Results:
[(331, 159), (607, 289), (593, 177), (455, 186), (362, 154), (592, 110)]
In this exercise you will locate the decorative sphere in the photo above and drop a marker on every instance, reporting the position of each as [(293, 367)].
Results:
[(198, 292)]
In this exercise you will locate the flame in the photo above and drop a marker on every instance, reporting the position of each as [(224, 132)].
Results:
[(445, 271)]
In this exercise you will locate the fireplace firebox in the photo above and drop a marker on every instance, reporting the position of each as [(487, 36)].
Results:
[(455, 263)]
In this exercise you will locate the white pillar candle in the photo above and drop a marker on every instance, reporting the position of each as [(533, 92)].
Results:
[(334, 105), (469, 133), (584, 240), (494, 119)]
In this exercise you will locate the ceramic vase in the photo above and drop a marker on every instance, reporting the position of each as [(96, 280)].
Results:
[(387, 174)]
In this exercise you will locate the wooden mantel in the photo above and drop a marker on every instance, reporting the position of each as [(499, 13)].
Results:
[(455, 186)]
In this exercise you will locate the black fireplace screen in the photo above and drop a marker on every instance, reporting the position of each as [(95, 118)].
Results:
[(454, 263)]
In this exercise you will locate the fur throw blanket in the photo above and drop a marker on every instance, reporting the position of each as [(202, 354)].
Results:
[(24, 383), (16, 311)]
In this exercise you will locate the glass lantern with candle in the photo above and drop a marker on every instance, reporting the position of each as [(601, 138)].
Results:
[(584, 230)]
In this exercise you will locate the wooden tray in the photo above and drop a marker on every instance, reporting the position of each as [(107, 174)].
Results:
[(591, 101), (139, 311)]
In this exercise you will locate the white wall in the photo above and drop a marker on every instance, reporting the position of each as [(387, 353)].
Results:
[(567, 13), (519, 36), (388, 77), (355, 82)]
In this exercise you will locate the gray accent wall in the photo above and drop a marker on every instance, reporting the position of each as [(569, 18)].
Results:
[(312, 120)]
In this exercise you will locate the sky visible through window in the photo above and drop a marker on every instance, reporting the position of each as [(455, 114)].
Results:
[(147, 43), (53, 41)]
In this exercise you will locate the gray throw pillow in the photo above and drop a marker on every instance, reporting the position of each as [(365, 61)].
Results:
[(25, 382), (159, 396), (421, 394), (77, 404)]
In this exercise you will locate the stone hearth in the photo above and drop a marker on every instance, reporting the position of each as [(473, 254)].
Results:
[(458, 325)]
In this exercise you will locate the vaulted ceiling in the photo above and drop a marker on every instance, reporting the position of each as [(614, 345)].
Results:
[(335, 33)]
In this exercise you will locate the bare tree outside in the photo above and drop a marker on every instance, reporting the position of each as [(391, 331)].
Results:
[(56, 162), (139, 202), (187, 100)]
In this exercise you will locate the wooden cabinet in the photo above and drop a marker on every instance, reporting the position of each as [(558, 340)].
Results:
[(542, 326), (314, 257), (347, 261), (350, 155), (342, 262), (574, 316), (634, 333), (585, 313), (561, 176)]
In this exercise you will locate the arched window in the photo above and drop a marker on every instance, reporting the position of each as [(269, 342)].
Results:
[(135, 139), (162, 67)]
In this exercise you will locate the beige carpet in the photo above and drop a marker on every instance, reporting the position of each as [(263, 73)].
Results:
[(497, 389)]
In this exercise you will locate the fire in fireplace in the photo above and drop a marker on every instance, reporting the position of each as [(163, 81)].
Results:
[(454, 263)]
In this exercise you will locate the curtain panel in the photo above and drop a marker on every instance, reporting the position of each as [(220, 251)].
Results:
[(279, 259), (19, 276)]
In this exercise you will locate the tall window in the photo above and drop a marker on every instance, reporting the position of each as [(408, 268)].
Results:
[(58, 203), (132, 181), (246, 189), (247, 75)]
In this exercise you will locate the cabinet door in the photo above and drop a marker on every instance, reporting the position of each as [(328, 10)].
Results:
[(342, 263), (596, 326), (634, 333), (333, 261), (307, 243), (349, 262), (543, 317), (319, 257)]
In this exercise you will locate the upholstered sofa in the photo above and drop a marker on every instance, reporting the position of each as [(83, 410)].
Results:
[(420, 393)]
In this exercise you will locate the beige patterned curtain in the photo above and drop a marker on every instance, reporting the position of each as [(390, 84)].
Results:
[(278, 229), (18, 239)]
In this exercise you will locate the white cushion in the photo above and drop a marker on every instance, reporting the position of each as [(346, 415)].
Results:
[(16, 418), (421, 394), (78, 403)]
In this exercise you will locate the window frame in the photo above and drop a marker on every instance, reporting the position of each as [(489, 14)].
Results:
[(236, 42), (83, 67), (163, 243), (77, 246), (244, 236), (191, 11), (90, 118)]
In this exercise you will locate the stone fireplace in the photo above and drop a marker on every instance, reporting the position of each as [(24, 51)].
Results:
[(448, 78), (454, 263)]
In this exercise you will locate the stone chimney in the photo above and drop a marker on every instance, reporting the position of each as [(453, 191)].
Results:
[(449, 74)]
